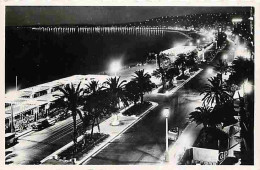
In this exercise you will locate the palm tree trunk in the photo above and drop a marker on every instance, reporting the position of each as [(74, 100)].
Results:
[(217, 101), (158, 61), (182, 69), (85, 124), (142, 98), (98, 125), (92, 129), (74, 132)]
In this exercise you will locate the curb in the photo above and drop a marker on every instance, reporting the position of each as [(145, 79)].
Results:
[(24, 133), (179, 86), (186, 81), (177, 143), (88, 157)]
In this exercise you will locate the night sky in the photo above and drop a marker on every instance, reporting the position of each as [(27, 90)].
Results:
[(19, 16)]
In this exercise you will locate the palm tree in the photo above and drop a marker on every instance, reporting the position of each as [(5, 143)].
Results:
[(210, 133), (202, 115), (242, 69), (181, 61), (91, 103), (96, 103), (143, 83), (160, 73), (160, 57), (215, 91), (116, 89), (222, 67), (93, 87), (72, 98), (171, 73), (132, 91), (191, 61)]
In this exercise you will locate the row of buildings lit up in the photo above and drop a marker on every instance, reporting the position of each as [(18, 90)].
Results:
[(28, 105)]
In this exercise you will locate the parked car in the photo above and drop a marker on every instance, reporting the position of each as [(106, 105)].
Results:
[(40, 124), (173, 133), (62, 117), (51, 120), (10, 139)]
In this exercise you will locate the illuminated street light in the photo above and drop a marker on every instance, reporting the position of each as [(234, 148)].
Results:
[(190, 44), (210, 71), (166, 113), (198, 41), (115, 66), (242, 51), (225, 57), (247, 87)]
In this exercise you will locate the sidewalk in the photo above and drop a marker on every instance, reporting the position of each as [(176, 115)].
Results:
[(180, 84), (25, 132), (185, 141), (105, 127)]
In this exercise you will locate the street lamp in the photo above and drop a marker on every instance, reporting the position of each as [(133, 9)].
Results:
[(115, 67), (247, 87), (166, 113), (210, 71), (225, 58)]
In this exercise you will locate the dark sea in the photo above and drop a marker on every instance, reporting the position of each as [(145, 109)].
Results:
[(41, 56)]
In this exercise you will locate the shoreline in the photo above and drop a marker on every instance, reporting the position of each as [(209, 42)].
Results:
[(131, 64)]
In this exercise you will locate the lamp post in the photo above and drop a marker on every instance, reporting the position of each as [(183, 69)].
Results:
[(225, 58), (166, 113), (247, 88), (198, 42)]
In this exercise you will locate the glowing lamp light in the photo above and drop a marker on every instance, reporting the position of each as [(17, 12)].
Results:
[(166, 112), (115, 66), (12, 94), (198, 41), (210, 71), (242, 51), (190, 44), (247, 87)]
